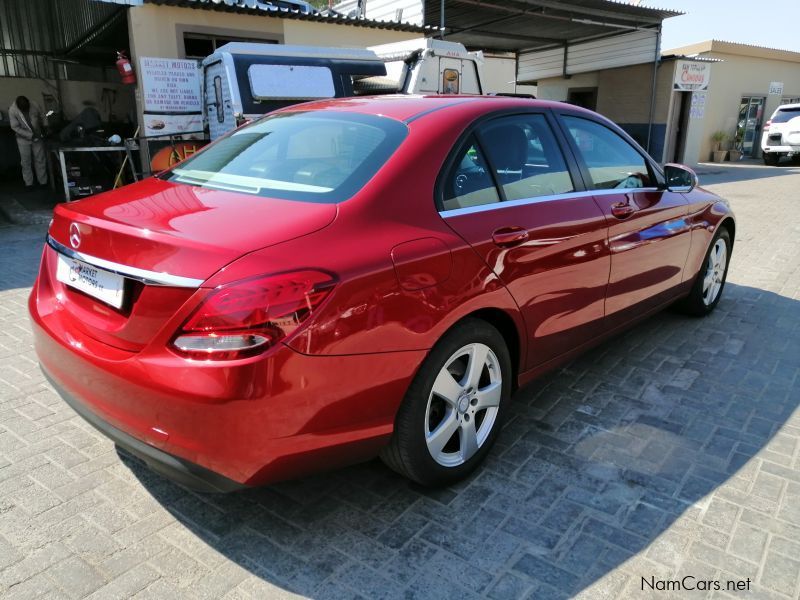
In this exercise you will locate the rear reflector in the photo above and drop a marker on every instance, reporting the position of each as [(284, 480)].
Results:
[(247, 317)]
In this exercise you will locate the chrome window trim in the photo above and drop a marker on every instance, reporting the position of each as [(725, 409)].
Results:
[(143, 275), (468, 210)]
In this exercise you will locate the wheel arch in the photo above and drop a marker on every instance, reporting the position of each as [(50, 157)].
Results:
[(729, 224), (505, 324)]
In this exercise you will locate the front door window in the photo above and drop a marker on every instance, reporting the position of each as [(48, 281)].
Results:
[(611, 161)]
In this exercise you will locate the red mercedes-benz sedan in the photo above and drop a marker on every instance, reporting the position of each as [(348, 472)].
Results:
[(361, 277)]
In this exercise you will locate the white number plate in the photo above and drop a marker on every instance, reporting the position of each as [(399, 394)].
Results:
[(98, 283)]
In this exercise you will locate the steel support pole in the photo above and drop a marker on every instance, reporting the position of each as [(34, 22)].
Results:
[(656, 61)]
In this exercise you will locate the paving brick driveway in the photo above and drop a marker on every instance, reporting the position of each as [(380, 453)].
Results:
[(671, 451)]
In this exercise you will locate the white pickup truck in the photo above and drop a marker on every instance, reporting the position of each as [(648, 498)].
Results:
[(781, 135), (242, 81), (428, 66)]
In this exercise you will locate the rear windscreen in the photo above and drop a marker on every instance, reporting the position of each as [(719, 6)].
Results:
[(786, 114), (310, 156)]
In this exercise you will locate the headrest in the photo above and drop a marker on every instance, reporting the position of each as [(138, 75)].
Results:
[(507, 147)]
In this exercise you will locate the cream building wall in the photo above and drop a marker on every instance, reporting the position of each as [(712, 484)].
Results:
[(744, 71), (557, 88), (158, 30)]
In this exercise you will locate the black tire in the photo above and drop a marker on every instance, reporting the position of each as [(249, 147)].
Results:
[(407, 452), (694, 304), (771, 159)]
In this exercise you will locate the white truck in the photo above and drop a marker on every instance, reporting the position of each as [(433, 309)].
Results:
[(430, 66), (242, 81), (781, 136)]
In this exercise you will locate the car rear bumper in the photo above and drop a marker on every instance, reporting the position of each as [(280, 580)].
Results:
[(181, 471), (783, 149), (222, 426)]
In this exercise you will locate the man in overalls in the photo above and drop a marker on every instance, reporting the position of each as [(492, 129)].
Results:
[(26, 121)]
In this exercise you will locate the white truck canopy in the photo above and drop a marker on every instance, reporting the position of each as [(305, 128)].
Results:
[(261, 49)]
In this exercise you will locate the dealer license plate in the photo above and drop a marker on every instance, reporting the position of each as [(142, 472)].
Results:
[(104, 285)]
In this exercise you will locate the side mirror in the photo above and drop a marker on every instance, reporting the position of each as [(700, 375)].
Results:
[(680, 178)]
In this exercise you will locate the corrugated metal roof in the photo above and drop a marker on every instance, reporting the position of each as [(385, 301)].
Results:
[(537, 24), (290, 9), (506, 25)]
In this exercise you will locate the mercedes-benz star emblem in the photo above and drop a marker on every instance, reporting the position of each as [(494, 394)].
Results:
[(74, 235)]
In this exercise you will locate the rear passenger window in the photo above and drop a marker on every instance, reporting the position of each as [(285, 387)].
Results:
[(525, 156), (612, 162), (468, 182)]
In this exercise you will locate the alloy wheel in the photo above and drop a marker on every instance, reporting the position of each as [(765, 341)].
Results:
[(463, 404), (715, 271)]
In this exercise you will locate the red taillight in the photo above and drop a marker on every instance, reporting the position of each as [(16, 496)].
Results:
[(767, 124), (247, 317)]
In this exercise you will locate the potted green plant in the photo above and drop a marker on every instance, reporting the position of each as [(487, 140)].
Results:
[(719, 138), (735, 153)]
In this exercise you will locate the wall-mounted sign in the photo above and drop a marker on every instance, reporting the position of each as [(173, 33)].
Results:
[(775, 88), (170, 85), (697, 109), (691, 76), (171, 95)]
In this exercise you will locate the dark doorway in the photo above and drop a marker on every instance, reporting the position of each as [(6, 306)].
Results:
[(583, 97), (681, 126)]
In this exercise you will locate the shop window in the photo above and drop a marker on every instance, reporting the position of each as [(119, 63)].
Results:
[(583, 97), (200, 45)]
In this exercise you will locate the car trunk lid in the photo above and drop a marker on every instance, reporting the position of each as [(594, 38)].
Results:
[(166, 239)]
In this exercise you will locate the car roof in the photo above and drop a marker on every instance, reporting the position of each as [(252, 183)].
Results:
[(405, 107), (790, 106)]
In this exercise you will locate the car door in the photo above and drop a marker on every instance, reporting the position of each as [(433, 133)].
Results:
[(509, 191), (649, 236)]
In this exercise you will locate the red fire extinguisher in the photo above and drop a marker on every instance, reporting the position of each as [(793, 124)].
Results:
[(125, 68)]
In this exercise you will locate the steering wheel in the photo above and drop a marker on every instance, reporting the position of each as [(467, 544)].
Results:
[(463, 181)]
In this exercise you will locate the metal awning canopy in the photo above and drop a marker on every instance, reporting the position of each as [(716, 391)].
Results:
[(37, 35), (519, 25)]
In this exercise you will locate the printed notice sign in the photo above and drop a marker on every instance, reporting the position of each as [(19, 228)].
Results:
[(170, 85), (170, 92), (697, 110), (775, 88)]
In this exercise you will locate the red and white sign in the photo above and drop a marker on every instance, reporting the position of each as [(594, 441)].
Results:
[(691, 76)]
